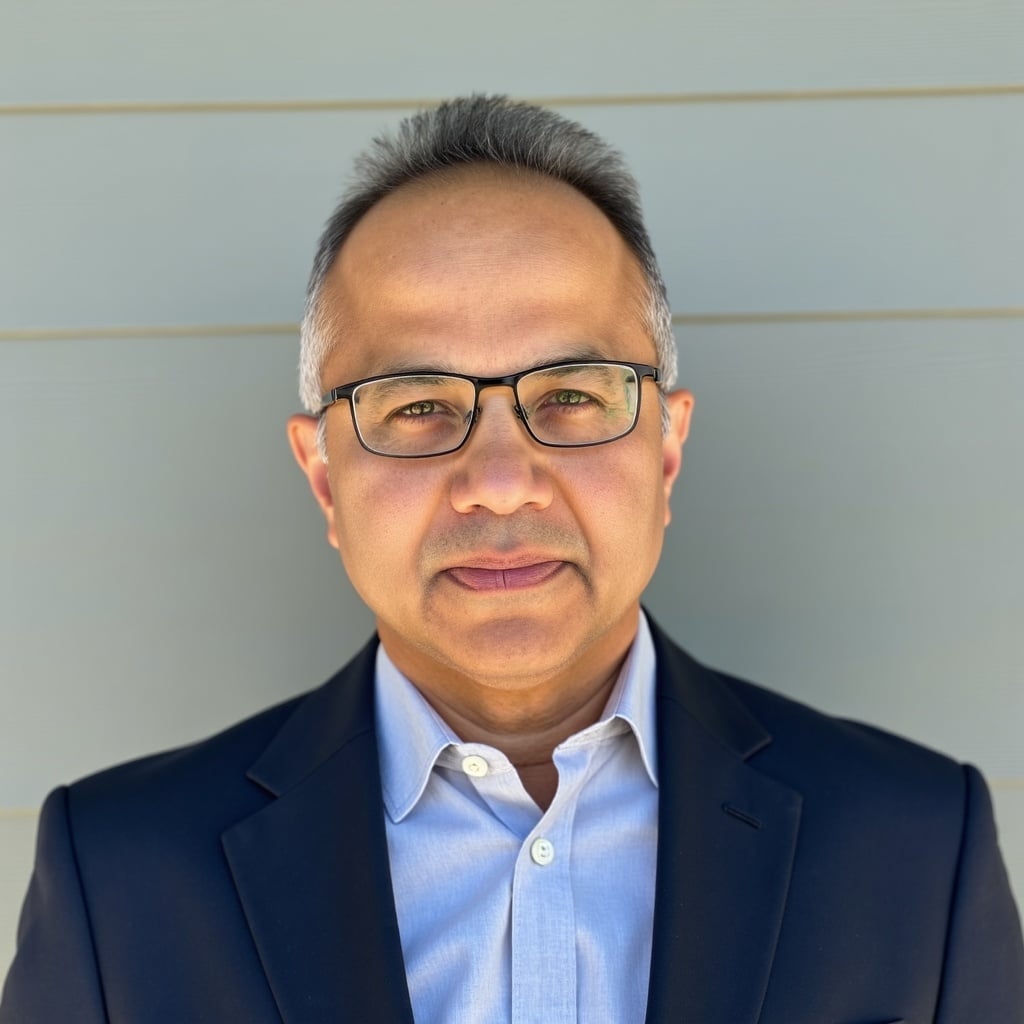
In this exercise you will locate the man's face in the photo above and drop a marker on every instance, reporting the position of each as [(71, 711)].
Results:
[(506, 563)]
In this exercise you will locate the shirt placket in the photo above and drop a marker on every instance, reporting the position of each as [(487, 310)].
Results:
[(543, 910)]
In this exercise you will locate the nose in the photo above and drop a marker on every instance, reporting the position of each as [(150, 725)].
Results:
[(500, 468)]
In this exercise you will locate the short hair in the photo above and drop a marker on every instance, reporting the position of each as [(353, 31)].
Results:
[(497, 131)]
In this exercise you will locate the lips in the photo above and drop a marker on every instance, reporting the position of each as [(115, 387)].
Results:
[(516, 577)]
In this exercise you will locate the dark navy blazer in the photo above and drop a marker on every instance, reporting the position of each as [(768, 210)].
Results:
[(810, 871)]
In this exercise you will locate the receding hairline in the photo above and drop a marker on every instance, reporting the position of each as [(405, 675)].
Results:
[(485, 171), (441, 179)]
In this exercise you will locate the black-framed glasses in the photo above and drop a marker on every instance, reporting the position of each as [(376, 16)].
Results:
[(562, 405)]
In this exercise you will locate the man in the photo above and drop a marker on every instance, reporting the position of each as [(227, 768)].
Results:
[(525, 804)]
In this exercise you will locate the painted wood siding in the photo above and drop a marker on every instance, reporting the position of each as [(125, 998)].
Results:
[(834, 192)]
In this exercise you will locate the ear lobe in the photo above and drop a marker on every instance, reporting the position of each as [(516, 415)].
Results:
[(680, 408), (302, 431)]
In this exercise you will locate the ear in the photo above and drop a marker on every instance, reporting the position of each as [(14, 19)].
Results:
[(680, 409), (302, 438)]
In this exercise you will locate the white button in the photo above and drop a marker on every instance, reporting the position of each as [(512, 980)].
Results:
[(542, 852), (475, 765)]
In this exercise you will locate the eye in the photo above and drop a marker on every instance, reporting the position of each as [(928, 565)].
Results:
[(425, 413), (570, 398), (422, 408)]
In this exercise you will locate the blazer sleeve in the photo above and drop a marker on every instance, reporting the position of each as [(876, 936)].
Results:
[(54, 977), (983, 975)]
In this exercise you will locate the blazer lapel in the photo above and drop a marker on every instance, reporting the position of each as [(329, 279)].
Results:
[(726, 840), (311, 868)]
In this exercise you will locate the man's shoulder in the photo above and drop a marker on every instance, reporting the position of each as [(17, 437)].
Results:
[(811, 750), (212, 781), (236, 745), (837, 762), (170, 790)]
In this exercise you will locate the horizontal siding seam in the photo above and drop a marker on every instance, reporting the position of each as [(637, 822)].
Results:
[(810, 316), (141, 331), (307, 106), (284, 329)]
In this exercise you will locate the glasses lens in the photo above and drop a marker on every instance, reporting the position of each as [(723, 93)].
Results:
[(579, 404), (414, 415)]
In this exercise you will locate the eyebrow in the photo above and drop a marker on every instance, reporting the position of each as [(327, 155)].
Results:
[(556, 372), (420, 380), (570, 354)]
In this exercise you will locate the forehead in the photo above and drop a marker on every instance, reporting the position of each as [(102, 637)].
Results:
[(479, 258)]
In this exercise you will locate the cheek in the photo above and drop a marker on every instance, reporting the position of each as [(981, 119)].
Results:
[(381, 512), (621, 503)]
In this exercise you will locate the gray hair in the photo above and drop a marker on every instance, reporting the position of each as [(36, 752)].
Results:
[(493, 130)]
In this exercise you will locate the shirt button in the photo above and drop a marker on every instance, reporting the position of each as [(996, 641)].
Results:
[(475, 765), (542, 852)]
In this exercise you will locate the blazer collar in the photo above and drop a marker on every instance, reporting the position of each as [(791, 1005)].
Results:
[(342, 709), (324, 722)]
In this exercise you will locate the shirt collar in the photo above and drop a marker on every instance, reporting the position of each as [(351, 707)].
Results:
[(411, 735)]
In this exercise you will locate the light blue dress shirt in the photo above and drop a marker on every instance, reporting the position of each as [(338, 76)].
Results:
[(508, 914)]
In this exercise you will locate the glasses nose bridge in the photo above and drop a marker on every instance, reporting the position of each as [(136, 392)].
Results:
[(510, 381)]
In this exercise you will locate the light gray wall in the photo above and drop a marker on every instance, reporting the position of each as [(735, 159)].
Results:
[(834, 193)]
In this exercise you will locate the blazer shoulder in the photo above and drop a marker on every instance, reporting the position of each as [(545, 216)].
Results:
[(234, 747), (817, 751), (199, 788), (209, 782), (804, 747)]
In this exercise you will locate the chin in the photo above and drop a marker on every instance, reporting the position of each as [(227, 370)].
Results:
[(512, 648)]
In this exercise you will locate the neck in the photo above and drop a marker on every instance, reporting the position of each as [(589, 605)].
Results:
[(529, 745)]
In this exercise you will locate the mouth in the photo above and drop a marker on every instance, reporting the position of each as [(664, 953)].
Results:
[(484, 579)]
